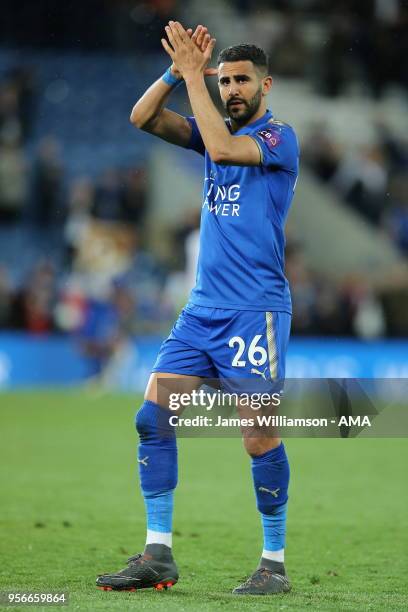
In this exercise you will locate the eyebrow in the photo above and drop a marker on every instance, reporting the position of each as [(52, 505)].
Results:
[(235, 76)]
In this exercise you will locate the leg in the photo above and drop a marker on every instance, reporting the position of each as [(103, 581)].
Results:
[(270, 473), (256, 364), (157, 453), (157, 458)]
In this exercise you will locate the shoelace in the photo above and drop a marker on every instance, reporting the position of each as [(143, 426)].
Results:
[(134, 559), (259, 576)]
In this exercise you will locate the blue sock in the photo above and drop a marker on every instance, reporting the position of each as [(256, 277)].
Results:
[(270, 473), (159, 511), (274, 529), (157, 458)]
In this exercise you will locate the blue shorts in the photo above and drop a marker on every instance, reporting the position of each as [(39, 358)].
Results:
[(226, 344)]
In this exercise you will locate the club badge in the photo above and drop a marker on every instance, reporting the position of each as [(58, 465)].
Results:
[(271, 137)]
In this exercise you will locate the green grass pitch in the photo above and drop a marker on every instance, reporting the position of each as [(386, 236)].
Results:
[(71, 509)]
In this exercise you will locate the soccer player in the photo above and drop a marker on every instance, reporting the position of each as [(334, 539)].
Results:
[(237, 321)]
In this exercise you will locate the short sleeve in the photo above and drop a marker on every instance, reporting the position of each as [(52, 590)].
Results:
[(278, 146), (196, 142)]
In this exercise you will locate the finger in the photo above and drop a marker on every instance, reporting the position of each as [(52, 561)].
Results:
[(167, 48), (181, 31), (205, 42), (196, 34), (170, 36), (210, 48), (201, 36), (189, 32), (176, 32), (211, 72)]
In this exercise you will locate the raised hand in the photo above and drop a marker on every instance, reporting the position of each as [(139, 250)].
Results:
[(189, 52), (202, 39), (175, 71)]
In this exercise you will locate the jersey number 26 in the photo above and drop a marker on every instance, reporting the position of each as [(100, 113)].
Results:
[(257, 355)]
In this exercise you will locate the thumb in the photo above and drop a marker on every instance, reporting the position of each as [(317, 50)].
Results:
[(210, 47), (211, 72)]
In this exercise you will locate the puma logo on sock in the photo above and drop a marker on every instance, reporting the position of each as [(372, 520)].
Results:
[(265, 490)]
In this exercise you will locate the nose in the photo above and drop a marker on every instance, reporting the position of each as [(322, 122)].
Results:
[(233, 90)]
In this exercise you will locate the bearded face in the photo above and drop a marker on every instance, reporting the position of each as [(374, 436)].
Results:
[(241, 110)]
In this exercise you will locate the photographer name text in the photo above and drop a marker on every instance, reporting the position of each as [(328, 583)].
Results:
[(268, 421)]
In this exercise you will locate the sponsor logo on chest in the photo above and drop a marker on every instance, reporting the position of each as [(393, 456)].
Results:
[(222, 200)]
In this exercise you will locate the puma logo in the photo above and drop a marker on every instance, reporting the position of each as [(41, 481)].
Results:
[(274, 493), (263, 374), (143, 461)]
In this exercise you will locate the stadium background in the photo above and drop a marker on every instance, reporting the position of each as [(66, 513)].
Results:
[(98, 221), (98, 240)]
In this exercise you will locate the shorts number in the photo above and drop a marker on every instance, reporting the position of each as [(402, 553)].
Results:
[(257, 355)]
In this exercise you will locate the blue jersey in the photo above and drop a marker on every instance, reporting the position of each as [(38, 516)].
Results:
[(242, 242)]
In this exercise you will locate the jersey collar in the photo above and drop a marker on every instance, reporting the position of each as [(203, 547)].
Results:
[(264, 119)]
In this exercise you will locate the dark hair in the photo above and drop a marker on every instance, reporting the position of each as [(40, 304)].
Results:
[(239, 53)]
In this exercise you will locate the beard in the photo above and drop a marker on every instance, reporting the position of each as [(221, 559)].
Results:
[(242, 114)]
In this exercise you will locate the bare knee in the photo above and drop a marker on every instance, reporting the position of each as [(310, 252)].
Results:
[(255, 446), (162, 385)]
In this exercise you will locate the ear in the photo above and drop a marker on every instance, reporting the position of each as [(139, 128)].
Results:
[(267, 83)]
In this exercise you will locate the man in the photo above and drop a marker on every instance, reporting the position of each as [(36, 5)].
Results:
[(237, 321)]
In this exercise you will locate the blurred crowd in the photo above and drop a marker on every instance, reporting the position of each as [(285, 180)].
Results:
[(333, 44), (87, 265), (373, 179), (336, 44), (75, 251), (36, 189), (323, 306), (117, 25)]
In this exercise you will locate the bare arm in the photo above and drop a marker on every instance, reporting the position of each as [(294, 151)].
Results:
[(149, 114), (222, 147)]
